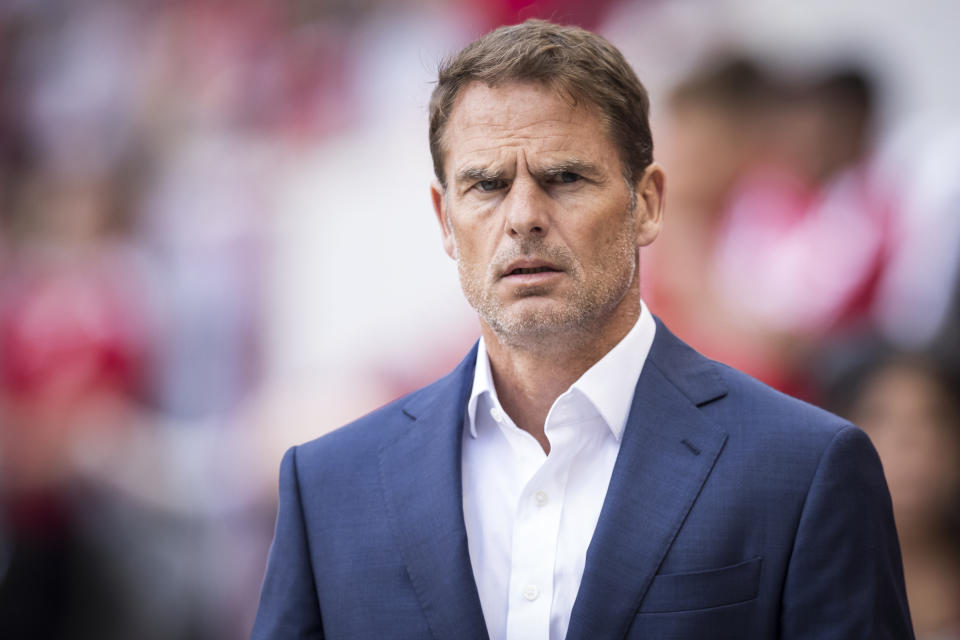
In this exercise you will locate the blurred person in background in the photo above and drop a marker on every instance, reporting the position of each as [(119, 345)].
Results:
[(73, 344), (716, 123), (777, 198), (73, 328), (909, 405), (809, 216)]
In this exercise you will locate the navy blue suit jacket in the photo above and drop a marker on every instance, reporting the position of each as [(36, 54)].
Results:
[(733, 512)]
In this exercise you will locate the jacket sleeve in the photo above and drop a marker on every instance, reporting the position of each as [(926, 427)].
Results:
[(845, 577), (289, 607)]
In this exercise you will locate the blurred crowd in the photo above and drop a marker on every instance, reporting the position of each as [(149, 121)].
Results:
[(190, 198)]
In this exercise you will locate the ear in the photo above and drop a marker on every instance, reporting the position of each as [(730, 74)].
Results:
[(651, 192), (440, 209)]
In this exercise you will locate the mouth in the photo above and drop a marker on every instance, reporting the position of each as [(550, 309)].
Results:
[(528, 270)]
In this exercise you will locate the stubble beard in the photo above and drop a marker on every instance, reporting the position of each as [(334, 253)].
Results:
[(591, 301)]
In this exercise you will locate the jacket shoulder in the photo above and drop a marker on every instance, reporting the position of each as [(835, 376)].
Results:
[(361, 437), (736, 401), (757, 399), (365, 436)]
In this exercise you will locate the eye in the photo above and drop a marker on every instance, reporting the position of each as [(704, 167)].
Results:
[(568, 177), (489, 185)]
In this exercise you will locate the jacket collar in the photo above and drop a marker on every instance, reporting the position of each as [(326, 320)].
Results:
[(420, 477), (668, 451)]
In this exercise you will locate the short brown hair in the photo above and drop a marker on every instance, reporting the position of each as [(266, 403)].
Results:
[(575, 62)]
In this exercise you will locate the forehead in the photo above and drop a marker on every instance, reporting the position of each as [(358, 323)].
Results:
[(494, 123)]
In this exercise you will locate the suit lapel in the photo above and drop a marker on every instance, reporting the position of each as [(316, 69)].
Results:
[(420, 475), (667, 452)]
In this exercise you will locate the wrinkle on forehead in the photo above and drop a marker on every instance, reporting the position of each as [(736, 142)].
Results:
[(494, 124), (509, 112), (481, 135), (503, 106)]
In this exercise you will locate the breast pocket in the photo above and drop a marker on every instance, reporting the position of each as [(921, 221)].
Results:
[(674, 592)]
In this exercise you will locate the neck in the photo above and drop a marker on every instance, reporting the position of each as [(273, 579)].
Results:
[(529, 377)]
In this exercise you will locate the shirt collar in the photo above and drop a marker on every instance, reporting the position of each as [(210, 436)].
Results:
[(482, 383), (609, 384)]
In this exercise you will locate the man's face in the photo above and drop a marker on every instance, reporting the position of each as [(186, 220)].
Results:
[(537, 213)]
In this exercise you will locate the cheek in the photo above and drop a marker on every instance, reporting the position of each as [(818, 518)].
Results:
[(608, 244), (472, 247), (482, 228)]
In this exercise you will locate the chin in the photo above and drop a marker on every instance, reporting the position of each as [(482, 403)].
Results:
[(536, 322)]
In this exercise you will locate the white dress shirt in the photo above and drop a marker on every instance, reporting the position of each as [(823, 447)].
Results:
[(530, 516)]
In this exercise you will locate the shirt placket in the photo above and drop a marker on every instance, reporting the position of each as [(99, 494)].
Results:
[(535, 534)]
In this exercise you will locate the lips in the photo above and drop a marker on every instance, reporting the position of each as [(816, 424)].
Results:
[(531, 270), (529, 267)]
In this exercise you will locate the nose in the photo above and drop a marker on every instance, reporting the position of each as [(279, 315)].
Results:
[(526, 208)]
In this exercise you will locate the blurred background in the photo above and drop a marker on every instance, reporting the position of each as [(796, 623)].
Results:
[(216, 241)]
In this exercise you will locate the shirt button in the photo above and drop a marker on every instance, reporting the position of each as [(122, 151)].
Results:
[(531, 592), (496, 414), (541, 498)]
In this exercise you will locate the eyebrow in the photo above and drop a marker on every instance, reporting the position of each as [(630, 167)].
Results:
[(477, 174), (572, 165)]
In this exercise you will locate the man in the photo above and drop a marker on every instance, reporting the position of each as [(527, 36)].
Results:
[(582, 473)]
